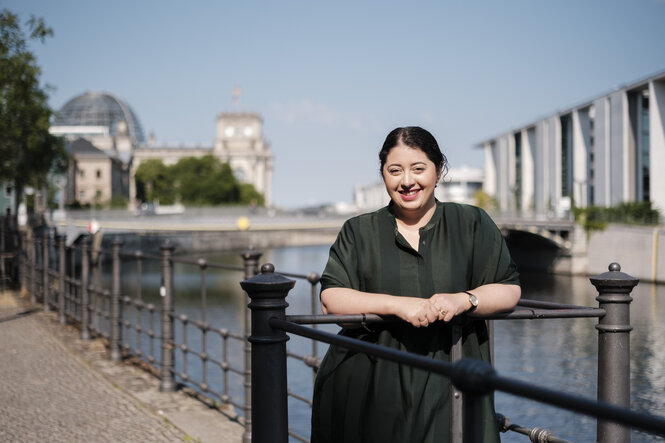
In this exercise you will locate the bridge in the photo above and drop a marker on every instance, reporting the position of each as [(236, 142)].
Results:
[(539, 243)]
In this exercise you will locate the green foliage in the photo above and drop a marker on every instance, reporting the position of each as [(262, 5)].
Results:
[(205, 181), (484, 201), (28, 152), (249, 195), (119, 202), (154, 182), (193, 181), (633, 213)]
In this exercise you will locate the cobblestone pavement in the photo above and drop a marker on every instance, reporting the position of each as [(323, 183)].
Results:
[(55, 387)]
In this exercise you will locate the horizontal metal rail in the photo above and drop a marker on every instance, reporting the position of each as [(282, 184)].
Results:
[(477, 377), (516, 314)]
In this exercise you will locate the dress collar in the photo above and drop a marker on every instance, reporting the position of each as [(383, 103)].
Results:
[(436, 217)]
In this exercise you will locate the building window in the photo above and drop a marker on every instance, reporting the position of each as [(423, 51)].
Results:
[(81, 173), (98, 173), (566, 156), (644, 149), (518, 170), (592, 158), (8, 190), (81, 195)]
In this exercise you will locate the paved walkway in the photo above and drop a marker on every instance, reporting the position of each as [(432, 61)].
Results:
[(55, 387)]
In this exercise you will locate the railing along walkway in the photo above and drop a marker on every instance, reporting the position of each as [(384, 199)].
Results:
[(67, 279), (473, 378)]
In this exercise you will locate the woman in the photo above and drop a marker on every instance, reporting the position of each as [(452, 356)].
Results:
[(427, 263)]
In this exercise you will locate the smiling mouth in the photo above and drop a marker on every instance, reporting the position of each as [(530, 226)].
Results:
[(410, 192)]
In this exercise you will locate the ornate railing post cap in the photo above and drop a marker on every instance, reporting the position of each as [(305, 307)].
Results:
[(614, 277), (267, 280), (251, 253), (167, 245)]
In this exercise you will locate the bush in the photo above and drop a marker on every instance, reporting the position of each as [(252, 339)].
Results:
[(630, 213)]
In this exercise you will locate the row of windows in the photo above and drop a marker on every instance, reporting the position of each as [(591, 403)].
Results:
[(98, 173), (566, 166)]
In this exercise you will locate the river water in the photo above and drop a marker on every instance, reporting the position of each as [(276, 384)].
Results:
[(557, 353)]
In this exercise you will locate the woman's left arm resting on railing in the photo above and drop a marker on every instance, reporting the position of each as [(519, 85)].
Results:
[(492, 298)]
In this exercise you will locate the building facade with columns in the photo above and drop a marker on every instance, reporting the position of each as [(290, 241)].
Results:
[(114, 130), (600, 152)]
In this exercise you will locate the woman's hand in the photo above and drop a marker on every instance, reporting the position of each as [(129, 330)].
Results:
[(449, 305), (420, 312)]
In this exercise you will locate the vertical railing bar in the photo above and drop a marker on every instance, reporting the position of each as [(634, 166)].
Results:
[(313, 279), (116, 318), (85, 295), (45, 266), (251, 260), (456, 398), (204, 306), (60, 240), (167, 382), (225, 367), (185, 348), (33, 268), (139, 296)]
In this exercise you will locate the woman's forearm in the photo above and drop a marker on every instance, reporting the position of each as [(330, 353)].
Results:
[(417, 311)]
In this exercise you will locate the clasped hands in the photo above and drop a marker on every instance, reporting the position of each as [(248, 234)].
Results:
[(421, 312)]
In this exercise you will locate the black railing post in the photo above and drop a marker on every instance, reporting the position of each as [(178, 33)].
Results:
[(116, 320), (614, 328), (167, 381), (23, 260), (33, 268), (85, 296), (250, 259), (45, 266), (60, 240), (267, 292)]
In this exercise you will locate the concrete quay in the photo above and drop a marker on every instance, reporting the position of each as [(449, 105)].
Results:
[(56, 387)]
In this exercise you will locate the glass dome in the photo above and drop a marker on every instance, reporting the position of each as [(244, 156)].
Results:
[(100, 109)]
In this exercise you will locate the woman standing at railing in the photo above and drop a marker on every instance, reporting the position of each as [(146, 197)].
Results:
[(427, 263)]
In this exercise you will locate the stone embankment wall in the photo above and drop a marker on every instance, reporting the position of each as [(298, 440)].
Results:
[(640, 250)]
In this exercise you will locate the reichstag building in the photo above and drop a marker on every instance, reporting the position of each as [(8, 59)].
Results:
[(105, 138)]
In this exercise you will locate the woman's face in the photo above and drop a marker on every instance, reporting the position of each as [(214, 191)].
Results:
[(410, 177)]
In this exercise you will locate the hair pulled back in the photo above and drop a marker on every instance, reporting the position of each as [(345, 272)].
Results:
[(418, 138)]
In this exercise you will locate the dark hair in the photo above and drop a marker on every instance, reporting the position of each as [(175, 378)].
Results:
[(415, 137)]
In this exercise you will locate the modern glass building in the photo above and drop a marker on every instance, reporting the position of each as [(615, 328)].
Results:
[(600, 152)]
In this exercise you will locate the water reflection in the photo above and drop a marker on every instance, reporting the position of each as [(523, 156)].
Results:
[(558, 353)]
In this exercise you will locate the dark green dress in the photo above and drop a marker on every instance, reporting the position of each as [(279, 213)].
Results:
[(358, 398)]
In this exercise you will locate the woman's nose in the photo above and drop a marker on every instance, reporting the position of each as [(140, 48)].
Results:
[(407, 180)]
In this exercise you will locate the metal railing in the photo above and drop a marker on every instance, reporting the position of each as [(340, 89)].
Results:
[(158, 334), (473, 378), (71, 281)]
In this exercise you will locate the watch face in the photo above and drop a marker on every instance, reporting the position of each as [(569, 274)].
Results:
[(473, 300)]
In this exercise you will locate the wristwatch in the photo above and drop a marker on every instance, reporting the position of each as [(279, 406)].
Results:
[(473, 301)]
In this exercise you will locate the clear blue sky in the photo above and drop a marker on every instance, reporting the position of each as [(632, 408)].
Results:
[(331, 79)]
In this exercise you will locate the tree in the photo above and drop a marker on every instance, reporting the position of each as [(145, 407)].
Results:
[(193, 181), (154, 182), (28, 152), (205, 181)]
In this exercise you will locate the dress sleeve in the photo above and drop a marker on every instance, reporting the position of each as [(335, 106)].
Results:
[(491, 261), (342, 268)]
